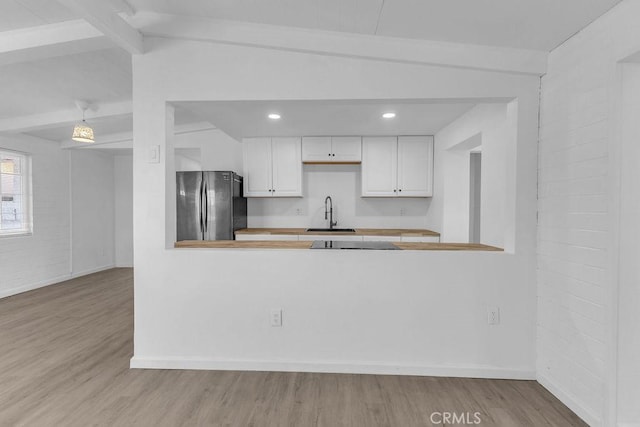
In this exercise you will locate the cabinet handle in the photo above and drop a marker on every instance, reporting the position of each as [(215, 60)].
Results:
[(329, 154), (333, 155), (400, 190)]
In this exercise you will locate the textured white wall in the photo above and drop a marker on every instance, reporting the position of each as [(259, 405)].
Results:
[(579, 192), (28, 262), (72, 195)]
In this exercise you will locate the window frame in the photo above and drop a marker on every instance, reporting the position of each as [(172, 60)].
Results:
[(27, 194)]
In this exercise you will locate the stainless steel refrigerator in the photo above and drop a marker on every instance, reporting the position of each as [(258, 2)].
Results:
[(210, 205)]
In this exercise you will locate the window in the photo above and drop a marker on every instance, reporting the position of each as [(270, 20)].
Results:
[(15, 193)]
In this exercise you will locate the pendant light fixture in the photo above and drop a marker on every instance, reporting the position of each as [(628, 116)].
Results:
[(83, 132)]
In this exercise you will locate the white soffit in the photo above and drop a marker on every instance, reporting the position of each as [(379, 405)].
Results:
[(306, 118)]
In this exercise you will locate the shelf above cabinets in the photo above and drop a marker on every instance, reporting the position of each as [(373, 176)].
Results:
[(397, 166), (331, 149)]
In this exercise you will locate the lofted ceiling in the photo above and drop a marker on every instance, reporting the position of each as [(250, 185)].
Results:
[(241, 119), (15, 14), (529, 24)]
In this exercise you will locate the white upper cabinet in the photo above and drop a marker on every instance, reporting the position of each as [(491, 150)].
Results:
[(316, 149), (346, 149), (287, 167), (272, 167), (397, 167), (379, 166), (415, 166), (257, 167), (332, 149)]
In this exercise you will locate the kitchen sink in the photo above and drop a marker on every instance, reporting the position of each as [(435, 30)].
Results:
[(332, 230)]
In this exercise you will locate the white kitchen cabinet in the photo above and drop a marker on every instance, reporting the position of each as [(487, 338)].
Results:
[(415, 166), (272, 167), (332, 149), (341, 238), (267, 237), (379, 166), (346, 149), (316, 149), (397, 166), (421, 239), (381, 238)]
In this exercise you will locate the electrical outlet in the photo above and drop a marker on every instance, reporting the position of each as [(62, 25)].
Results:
[(403, 211), (299, 212), (493, 315), (276, 318)]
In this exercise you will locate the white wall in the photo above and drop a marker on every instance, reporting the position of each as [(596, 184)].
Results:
[(63, 183), (579, 195), (343, 184), (629, 231), (123, 206), (492, 126), (93, 211), (217, 150), (209, 308), (27, 262)]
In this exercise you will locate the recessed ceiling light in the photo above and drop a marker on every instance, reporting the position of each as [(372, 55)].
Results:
[(274, 116), (389, 115)]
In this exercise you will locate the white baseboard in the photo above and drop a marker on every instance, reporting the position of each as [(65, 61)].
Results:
[(587, 415), (91, 271), (48, 282), (331, 367), (30, 287), (629, 424)]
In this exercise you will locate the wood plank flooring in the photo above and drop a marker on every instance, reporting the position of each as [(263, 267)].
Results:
[(64, 361)]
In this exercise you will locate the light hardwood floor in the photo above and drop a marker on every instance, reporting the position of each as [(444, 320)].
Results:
[(64, 361)]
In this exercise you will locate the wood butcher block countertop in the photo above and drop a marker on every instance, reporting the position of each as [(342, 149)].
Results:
[(250, 244), (359, 232)]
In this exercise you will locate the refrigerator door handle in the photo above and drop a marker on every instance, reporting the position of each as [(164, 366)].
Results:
[(206, 206), (201, 207)]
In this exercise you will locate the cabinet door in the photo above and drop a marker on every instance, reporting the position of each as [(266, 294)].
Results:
[(257, 167), (346, 148), (415, 166), (421, 239), (267, 237), (316, 149), (326, 237), (287, 167), (379, 166), (381, 238)]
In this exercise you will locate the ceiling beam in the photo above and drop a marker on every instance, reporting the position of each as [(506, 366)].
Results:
[(489, 58), (125, 139), (99, 14), (124, 6), (48, 41), (58, 118)]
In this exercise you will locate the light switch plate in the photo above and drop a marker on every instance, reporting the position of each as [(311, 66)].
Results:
[(154, 154), (276, 318)]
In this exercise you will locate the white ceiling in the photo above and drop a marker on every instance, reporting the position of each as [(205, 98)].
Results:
[(53, 84), (16, 14), (241, 119), (531, 24)]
